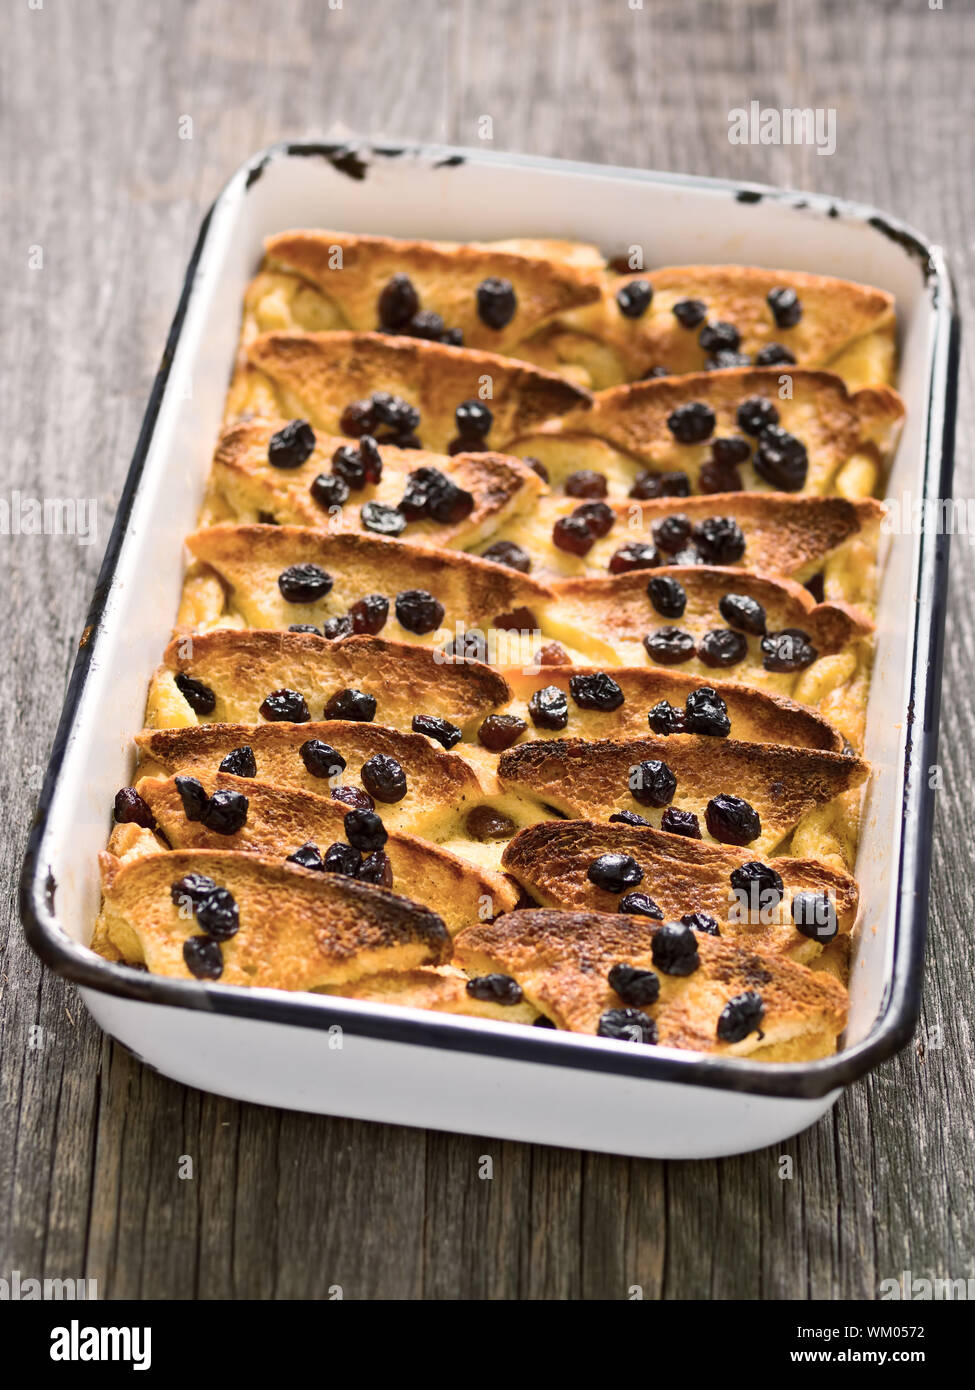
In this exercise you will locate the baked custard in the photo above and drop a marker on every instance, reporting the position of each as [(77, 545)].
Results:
[(522, 661)]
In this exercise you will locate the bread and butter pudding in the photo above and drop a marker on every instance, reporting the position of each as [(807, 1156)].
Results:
[(522, 661)]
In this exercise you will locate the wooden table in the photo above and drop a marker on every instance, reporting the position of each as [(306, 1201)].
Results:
[(93, 102)]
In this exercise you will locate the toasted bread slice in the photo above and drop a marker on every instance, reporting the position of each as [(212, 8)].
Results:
[(321, 279), (248, 560), (240, 669), (316, 375), (282, 819), (551, 861), (848, 438), (845, 327), (592, 781), (298, 929), (755, 715), (442, 988), (562, 960), (245, 487), (788, 537)]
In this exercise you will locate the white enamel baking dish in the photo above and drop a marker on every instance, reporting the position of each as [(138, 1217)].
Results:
[(405, 1066)]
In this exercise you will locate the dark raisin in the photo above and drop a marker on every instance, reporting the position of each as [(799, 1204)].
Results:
[(542, 1022), (473, 417), (627, 1025), (785, 306), (240, 762), (321, 759), (364, 830), (369, 614), (680, 823), (669, 646), (814, 586), (305, 627), (394, 412), (614, 872), (496, 302), (628, 818), (358, 418), (719, 539), (484, 823), (788, 650), (552, 654), (398, 302), (640, 905), (225, 812), (732, 820), (597, 516), (337, 627), (198, 696), (536, 466), (740, 1016), (689, 312), (348, 466), (130, 809), (203, 957), (467, 444), (350, 704), (756, 414), (672, 533), (664, 719), (353, 797), (449, 503), (426, 324), (585, 482), (722, 647), (668, 597), (597, 691), (381, 519), (509, 554), (702, 922), (453, 337), (442, 730), (674, 949), (266, 518), (329, 490), (308, 856), (418, 611), (292, 445), (305, 583), (719, 337), (691, 423), (634, 298), (757, 887), (370, 458), (705, 712), (814, 915), (495, 989), (774, 355), (500, 731), (549, 708), (714, 478), (342, 859), (652, 783), (633, 985), (744, 613), (646, 485), (193, 797), (635, 555), (191, 890), (217, 913), (383, 778), (725, 358), (572, 534), (468, 646), (730, 450), (285, 705), (377, 869), (781, 460)]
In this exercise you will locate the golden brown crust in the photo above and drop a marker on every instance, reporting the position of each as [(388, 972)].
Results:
[(446, 276), (441, 988), (593, 780), (562, 959), (298, 929), (316, 375), (241, 668), (551, 861)]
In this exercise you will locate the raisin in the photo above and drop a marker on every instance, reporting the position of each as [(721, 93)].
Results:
[(496, 302), (741, 1015), (305, 627), (383, 778), (351, 704), (788, 650), (217, 913), (669, 646), (536, 466), (719, 337), (381, 519), (614, 873), (572, 534), (193, 797), (364, 830), (357, 418), (680, 823), (781, 460), (627, 1025), (292, 445), (198, 696), (484, 823), (635, 555), (774, 355), (633, 985), (342, 859), (757, 887), (597, 516), (719, 539), (689, 312), (714, 478), (308, 856), (203, 957), (305, 583), (552, 654), (627, 818), (369, 614), (744, 613), (722, 647), (785, 306), (418, 611), (701, 921), (329, 490), (731, 820), (549, 708), (705, 712), (337, 627), (495, 989), (730, 450), (393, 412), (665, 719), (398, 302), (667, 596), (130, 809), (191, 890), (442, 730), (468, 646), (585, 482), (426, 324), (353, 797), (674, 949), (598, 691), (321, 759), (672, 533), (652, 783), (640, 905), (348, 467), (814, 915), (691, 423), (285, 705), (649, 485), (756, 414), (377, 869), (225, 812), (500, 731), (725, 358), (509, 554), (633, 298), (473, 417)]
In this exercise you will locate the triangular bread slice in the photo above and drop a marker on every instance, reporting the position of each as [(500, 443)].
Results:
[(848, 437), (562, 960), (441, 988), (785, 536), (245, 487), (327, 279), (591, 781), (846, 327), (551, 861), (756, 716), (248, 561), (314, 376), (298, 929), (241, 669), (282, 819)]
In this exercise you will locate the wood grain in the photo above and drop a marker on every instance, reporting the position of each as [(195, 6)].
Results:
[(285, 1205)]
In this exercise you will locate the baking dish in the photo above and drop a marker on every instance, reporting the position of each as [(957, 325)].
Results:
[(372, 1061)]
